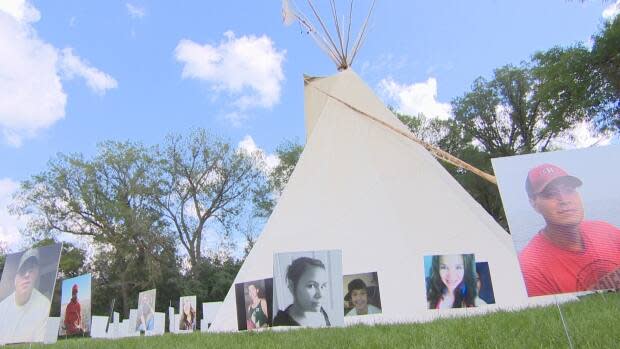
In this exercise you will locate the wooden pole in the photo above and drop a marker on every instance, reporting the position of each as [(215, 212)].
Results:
[(436, 152)]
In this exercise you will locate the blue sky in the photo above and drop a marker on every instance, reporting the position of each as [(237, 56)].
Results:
[(84, 287), (76, 74)]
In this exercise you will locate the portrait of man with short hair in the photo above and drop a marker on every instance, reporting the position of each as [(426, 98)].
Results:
[(25, 293), (569, 251)]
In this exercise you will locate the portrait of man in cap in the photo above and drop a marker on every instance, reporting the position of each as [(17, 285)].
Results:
[(25, 310), (570, 253)]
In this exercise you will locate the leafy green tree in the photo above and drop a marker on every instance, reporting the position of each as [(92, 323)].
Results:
[(206, 182), (448, 136), (606, 59), (579, 83), (266, 196), (108, 199), (505, 115), (2, 258)]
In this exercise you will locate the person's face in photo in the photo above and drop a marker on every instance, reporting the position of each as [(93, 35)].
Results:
[(560, 204), (451, 270), (187, 308), (253, 292), (25, 280), (310, 289), (359, 298)]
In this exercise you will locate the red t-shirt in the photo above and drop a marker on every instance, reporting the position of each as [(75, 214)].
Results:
[(549, 269), (73, 317)]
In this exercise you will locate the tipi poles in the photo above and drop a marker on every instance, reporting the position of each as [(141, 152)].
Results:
[(438, 153)]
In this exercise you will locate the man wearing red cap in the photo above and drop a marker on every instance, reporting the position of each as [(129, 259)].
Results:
[(569, 254), (73, 314)]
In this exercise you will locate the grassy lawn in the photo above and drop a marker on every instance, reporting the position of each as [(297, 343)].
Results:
[(593, 322)]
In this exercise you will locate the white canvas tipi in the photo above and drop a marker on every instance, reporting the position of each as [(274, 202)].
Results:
[(383, 200)]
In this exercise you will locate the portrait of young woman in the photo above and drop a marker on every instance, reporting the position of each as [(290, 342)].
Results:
[(451, 282), (307, 289)]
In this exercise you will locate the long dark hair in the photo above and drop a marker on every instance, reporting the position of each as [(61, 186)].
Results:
[(187, 324), (464, 294)]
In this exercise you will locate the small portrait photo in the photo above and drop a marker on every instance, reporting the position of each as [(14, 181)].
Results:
[(308, 289), (145, 317), (254, 304), (187, 313), (362, 295), (484, 286), (563, 211), (26, 290), (451, 281), (75, 306)]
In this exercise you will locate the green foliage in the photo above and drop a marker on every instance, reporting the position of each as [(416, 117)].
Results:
[(109, 200), (606, 59), (266, 196), (211, 279), (2, 258), (448, 136), (506, 116), (577, 83), (205, 182)]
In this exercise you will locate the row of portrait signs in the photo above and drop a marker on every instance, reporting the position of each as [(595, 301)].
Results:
[(563, 210), (309, 290)]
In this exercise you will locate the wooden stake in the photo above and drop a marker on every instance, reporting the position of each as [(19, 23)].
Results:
[(436, 152)]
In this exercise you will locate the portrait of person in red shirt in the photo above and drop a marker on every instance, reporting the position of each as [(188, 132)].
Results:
[(570, 253), (73, 314)]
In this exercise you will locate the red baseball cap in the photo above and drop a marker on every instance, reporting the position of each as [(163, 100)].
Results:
[(540, 176), (74, 289)]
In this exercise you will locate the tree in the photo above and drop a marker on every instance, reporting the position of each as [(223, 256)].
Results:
[(267, 195), (606, 58), (577, 81), (448, 136), (108, 200), (205, 182), (3, 252)]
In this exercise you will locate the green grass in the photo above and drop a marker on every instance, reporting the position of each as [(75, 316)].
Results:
[(593, 322)]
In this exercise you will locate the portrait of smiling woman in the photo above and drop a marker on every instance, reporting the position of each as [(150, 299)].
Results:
[(451, 282), (307, 289)]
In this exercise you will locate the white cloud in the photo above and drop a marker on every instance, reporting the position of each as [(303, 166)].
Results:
[(9, 224), (248, 146), (72, 65), (20, 10), (612, 11), (31, 93), (248, 68), (415, 98), (583, 135), (135, 11)]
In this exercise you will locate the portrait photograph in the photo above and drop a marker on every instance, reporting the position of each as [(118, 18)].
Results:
[(254, 304), (563, 211), (451, 281), (484, 284), (26, 291), (308, 289), (145, 315), (361, 294), (75, 306), (187, 313)]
